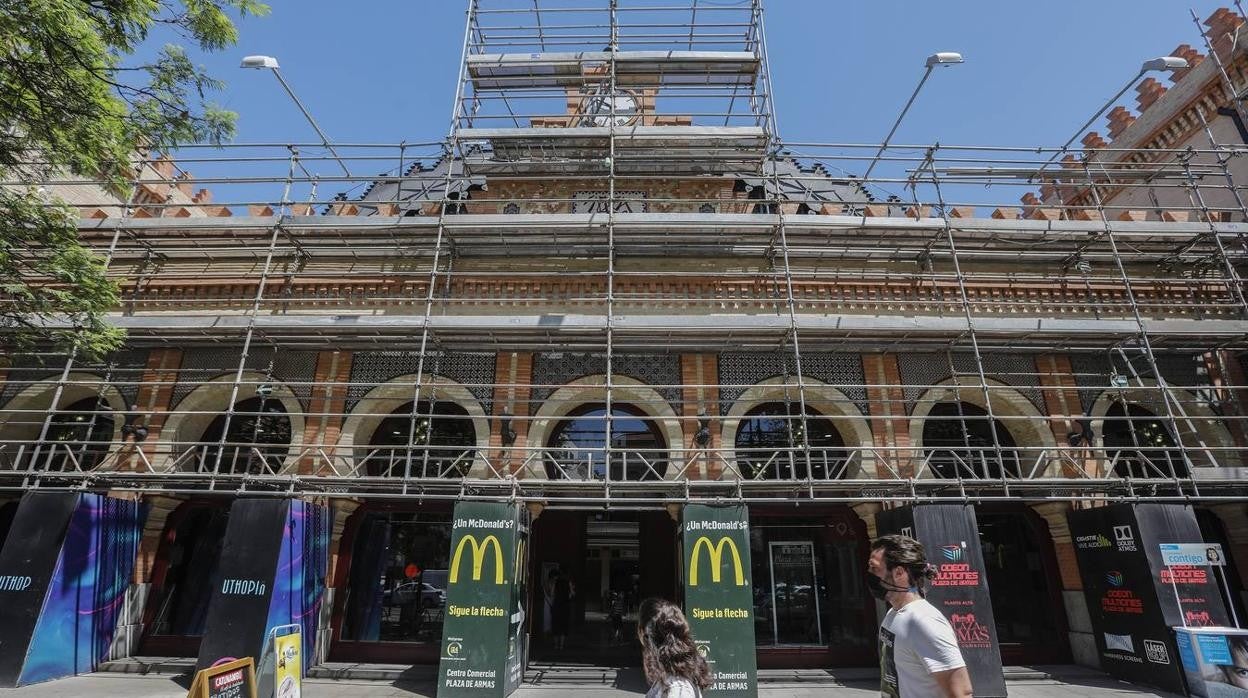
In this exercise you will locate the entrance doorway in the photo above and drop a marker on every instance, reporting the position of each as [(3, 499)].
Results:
[(1024, 585), (186, 562), (612, 560)]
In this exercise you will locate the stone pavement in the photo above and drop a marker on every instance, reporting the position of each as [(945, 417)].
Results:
[(131, 686)]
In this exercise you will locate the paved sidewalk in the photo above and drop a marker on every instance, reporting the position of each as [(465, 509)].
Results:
[(164, 687)]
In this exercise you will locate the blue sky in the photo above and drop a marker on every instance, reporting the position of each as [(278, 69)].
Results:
[(384, 71)]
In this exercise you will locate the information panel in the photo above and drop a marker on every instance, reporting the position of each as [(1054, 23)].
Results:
[(950, 534), (719, 599), (481, 653), (1131, 592)]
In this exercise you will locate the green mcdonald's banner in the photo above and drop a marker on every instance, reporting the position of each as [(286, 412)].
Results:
[(484, 643), (719, 599)]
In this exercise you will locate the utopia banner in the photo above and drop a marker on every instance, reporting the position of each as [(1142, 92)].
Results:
[(64, 571)]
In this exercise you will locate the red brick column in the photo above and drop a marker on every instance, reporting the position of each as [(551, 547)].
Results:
[(324, 421), (699, 377), (1061, 402), (154, 400), (513, 389), (890, 425), (1054, 514), (1227, 375)]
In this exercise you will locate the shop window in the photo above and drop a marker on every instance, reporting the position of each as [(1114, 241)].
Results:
[(257, 439), (771, 437), (577, 446), (808, 588), (397, 586), (78, 438), (1138, 444), (961, 441), (442, 439)]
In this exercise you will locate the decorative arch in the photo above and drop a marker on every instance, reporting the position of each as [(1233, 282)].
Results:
[(1027, 426), (381, 401), (592, 389), (192, 415), (821, 397), (19, 424), (1208, 425)]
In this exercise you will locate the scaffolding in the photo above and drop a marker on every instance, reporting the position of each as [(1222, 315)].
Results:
[(613, 285)]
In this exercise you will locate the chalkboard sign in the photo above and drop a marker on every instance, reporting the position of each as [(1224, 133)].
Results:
[(236, 679)]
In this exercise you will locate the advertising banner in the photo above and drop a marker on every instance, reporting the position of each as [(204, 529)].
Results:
[(64, 571), (719, 597), (238, 610), (482, 654), (1131, 591), (1215, 661), (271, 573), (950, 535), (288, 666)]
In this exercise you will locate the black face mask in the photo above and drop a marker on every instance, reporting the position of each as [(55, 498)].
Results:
[(880, 588)]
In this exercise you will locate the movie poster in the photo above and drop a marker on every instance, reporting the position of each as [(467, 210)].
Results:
[(1131, 593), (950, 535)]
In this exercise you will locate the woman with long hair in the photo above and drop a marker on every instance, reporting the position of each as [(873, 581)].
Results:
[(668, 654)]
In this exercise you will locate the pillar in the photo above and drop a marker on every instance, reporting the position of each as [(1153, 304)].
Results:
[(325, 411), (886, 403), (342, 510), (1062, 405), (154, 401), (513, 391), (1078, 622), (699, 377)]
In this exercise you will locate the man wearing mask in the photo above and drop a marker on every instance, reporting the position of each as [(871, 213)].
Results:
[(919, 655)]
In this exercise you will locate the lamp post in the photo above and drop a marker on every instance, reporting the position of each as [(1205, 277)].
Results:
[(1164, 63), (269, 62), (944, 58)]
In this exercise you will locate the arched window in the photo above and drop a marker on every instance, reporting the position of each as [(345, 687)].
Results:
[(78, 437), (958, 438), (577, 446), (1140, 445), (442, 439), (258, 439), (769, 444)]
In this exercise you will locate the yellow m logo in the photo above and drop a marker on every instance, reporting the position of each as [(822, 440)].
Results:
[(478, 558), (716, 553)]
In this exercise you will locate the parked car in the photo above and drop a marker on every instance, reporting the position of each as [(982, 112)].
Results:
[(430, 596)]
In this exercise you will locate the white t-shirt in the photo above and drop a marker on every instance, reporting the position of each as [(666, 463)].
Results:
[(916, 641), (677, 687)]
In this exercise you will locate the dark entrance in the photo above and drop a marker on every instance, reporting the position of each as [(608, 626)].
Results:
[(629, 554), (186, 563), (1024, 584)]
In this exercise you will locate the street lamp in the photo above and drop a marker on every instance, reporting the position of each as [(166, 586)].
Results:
[(1161, 64), (269, 62), (944, 58)]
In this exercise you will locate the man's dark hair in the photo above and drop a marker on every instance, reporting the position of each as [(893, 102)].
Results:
[(904, 551)]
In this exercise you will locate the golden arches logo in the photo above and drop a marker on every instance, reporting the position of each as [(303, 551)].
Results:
[(515, 573), (715, 553), (478, 558)]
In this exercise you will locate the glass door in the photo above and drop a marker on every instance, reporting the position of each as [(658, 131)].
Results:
[(794, 593)]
